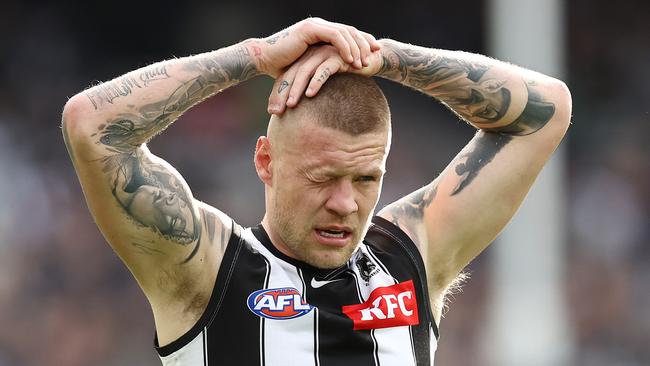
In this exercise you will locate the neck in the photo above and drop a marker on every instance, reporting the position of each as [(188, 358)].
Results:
[(275, 239)]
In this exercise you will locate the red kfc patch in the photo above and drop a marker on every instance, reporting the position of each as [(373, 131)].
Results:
[(389, 306)]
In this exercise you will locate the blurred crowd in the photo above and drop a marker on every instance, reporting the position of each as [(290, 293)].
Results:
[(67, 300)]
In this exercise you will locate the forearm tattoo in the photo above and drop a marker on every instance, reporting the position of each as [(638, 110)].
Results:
[(150, 194), (107, 92), (489, 99)]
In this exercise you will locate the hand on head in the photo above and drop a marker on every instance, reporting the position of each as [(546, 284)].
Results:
[(304, 55)]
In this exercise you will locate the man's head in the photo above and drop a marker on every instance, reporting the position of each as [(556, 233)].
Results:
[(322, 164)]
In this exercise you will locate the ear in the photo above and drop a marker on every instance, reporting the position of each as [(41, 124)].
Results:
[(262, 160)]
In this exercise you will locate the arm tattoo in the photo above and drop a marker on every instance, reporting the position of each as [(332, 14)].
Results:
[(107, 92), (273, 39), (470, 86), (209, 222), (150, 194), (486, 147), (535, 115), (409, 211), (129, 130)]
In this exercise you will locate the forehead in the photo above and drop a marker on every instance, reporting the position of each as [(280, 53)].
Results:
[(318, 147)]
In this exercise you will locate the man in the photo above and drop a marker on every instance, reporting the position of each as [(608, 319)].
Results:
[(319, 281)]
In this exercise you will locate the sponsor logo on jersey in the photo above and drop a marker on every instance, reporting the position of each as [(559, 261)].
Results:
[(366, 268), (278, 303), (389, 306), (318, 284)]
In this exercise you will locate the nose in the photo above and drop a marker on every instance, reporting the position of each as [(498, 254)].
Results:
[(341, 200)]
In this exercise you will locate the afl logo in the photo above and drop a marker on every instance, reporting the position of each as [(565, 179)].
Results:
[(278, 303)]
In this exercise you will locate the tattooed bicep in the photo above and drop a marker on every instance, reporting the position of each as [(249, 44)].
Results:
[(153, 195), (407, 213)]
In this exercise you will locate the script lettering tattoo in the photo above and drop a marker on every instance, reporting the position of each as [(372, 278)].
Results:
[(107, 92), (153, 74), (469, 87), (151, 194), (486, 146), (121, 87)]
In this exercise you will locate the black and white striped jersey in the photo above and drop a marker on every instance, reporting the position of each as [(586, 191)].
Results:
[(269, 309)]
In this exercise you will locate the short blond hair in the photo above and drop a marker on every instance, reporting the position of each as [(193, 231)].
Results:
[(346, 102)]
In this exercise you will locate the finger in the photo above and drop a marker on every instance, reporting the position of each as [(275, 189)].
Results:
[(325, 70), (303, 75), (364, 46), (354, 47), (374, 44), (280, 92), (315, 32)]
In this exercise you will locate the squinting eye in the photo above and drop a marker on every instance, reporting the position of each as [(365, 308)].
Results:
[(367, 178)]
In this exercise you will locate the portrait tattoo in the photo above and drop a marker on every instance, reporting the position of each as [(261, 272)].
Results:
[(470, 87), (152, 196), (477, 93)]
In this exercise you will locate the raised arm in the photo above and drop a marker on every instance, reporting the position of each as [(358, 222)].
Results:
[(141, 204), (172, 243), (521, 116)]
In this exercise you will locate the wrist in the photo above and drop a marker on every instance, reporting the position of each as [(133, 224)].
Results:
[(389, 65), (252, 49)]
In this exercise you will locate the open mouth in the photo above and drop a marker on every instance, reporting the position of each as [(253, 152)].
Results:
[(332, 233), (337, 237)]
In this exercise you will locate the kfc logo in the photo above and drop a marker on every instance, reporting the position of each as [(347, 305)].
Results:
[(390, 306)]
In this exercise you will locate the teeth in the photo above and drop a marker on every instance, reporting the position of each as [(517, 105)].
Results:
[(331, 234)]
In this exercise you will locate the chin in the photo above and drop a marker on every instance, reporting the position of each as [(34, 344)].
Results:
[(330, 259)]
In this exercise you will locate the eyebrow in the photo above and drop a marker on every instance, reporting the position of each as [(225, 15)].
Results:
[(326, 171)]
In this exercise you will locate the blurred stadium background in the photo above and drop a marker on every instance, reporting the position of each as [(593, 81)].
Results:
[(65, 298)]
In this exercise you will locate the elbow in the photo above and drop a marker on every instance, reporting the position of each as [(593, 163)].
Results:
[(75, 110), (562, 96), (559, 94)]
